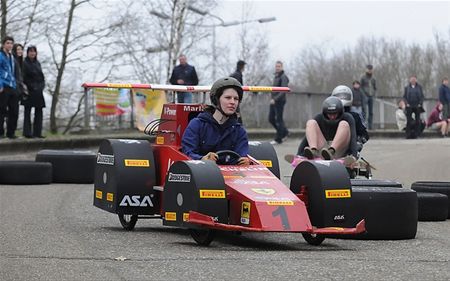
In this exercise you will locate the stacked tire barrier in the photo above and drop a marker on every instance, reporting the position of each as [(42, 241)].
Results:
[(434, 203), (70, 166), (59, 166)]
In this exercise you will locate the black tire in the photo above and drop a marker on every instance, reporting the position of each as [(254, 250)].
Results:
[(25, 172), (433, 187), (128, 222), (390, 213), (203, 237), (432, 206), (313, 239), (70, 166), (375, 183), (431, 183)]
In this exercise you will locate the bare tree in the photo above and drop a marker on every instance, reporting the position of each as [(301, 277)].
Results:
[(70, 45)]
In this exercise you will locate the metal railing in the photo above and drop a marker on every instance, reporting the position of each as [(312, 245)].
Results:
[(300, 107)]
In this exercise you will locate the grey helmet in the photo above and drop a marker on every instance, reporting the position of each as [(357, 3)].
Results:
[(222, 84), (332, 105), (344, 94)]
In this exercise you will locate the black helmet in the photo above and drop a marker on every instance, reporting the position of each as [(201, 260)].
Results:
[(222, 84), (332, 105)]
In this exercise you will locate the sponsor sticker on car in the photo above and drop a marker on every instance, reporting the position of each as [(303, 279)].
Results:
[(136, 163), (337, 193), (245, 213), (212, 193), (105, 159), (170, 216), (179, 177), (280, 203)]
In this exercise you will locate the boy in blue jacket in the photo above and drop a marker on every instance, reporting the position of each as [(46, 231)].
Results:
[(217, 128)]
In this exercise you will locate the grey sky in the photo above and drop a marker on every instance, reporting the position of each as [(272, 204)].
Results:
[(300, 23)]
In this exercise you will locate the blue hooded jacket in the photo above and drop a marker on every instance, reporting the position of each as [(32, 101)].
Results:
[(204, 134), (7, 72)]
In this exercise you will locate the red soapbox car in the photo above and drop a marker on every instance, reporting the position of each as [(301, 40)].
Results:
[(139, 179)]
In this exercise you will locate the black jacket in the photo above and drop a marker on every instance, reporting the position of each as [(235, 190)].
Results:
[(329, 131), (413, 96), (280, 80), (238, 76), (35, 81), (186, 72)]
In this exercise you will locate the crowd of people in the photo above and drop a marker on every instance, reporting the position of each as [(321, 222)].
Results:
[(21, 82)]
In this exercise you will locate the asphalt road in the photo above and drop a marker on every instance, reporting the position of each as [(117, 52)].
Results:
[(53, 232)]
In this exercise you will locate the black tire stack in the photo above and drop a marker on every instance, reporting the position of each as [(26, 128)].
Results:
[(60, 166), (69, 166), (434, 204), (389, 210)]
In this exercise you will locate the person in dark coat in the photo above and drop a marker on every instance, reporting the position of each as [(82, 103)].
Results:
[(413, 97), (237, 74), (22, 90), (35, 81), (277, 102), (184, 74)]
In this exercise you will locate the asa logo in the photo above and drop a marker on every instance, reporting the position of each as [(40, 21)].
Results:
[(136, 201)]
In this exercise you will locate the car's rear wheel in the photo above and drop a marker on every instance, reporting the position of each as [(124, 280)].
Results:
[(203, 237), (128, 222), (313, 239)]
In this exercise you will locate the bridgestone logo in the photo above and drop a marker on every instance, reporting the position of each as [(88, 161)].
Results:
[(179, 177), (105, 159)]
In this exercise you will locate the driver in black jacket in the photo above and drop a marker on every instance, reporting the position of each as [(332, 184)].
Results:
[(331, 134)]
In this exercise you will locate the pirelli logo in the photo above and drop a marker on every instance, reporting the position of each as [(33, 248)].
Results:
[(160, 140), (99, 194), (170, 216), (136, 163), (212, 193), (280, 203), (267, 163), (337, 193), (109, 197), (118, 85)]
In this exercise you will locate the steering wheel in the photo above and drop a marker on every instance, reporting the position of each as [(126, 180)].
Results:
[(227, 157)]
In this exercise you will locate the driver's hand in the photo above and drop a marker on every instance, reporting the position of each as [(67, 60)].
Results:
[(210, 156), (244, 161)]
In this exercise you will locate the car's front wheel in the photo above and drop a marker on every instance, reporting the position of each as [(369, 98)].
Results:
[(128, 222), (203, 237)]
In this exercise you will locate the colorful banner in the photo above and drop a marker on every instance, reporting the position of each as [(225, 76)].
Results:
[(148, 106), (111, 101)]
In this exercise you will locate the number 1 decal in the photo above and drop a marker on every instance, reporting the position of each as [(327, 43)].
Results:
[(281, 211)]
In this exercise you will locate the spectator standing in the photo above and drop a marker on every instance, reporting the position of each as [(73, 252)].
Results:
[(358, 98), (35, 81), (277, 102), (444, 98), (413, 97), (437, 121), (22, 90), (184, 74), (9, 101), (237, 74), (369, 88)]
